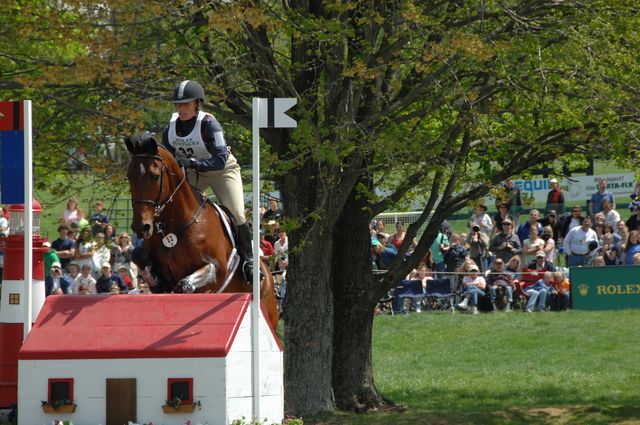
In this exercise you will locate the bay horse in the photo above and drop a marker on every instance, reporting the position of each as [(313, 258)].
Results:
[(187, 247)]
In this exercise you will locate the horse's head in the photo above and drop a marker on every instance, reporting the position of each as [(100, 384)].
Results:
[(154, 176)]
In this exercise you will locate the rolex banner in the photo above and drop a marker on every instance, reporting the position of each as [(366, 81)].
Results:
[(605, 288)]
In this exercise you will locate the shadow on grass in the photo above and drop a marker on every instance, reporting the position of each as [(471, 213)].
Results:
[(543, 415)]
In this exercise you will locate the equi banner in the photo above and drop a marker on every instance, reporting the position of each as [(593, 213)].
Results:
[(605, 288)]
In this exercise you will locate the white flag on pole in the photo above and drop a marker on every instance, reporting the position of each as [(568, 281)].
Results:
[(271, 112)]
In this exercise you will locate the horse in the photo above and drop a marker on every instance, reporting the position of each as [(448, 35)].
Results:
[(187, 247)]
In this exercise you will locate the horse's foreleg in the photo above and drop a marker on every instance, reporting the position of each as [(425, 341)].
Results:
[(201, 277)]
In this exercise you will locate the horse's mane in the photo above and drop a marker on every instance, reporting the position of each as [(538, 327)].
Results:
[(143, 143)]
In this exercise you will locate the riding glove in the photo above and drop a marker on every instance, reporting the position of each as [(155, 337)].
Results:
[(187, 162)]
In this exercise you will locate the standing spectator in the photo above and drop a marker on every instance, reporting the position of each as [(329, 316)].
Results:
[(595, 205), (513, 198), (50, 256), (84, 249), (611, 216), (524, 228), (56, 281), (281, 250), (266, 249), (63, 246), (555, 197), (73, 271), (98, 219), (475, 286), (633, 223), (481, 219), (532, 245), (609, 250), (105, 282), (380, 229), (398, 238), (478, 243), (85, 279), (274, 212), (632, 247), (574, 220), (505, 245), (549, 244), (101, 254), (73, 213), (109, 235), (4, 224), (552, 221), (456, 254), (579, 242), (500, 277), (502, 214), (386, 253), (598, 224), (439, 247)]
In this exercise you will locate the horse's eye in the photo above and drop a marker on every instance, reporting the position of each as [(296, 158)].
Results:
[(155, 177)]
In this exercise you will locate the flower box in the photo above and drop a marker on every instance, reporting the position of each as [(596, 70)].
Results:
[(183, 408), (63, 408)]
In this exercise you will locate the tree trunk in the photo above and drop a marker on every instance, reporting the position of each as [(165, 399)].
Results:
[(355, 296), (308, 320)]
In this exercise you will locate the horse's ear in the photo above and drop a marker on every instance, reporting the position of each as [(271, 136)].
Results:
[(153, 145), (128, 142)]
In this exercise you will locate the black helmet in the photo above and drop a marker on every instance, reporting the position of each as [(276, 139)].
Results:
[(186, 91)]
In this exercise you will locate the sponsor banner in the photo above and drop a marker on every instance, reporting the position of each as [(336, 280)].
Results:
[(605, 288), (580, 188)]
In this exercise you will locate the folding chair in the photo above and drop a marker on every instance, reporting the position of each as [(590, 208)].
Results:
[(439, 295)]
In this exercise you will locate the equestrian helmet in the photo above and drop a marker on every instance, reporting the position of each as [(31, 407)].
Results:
[(186, 91)]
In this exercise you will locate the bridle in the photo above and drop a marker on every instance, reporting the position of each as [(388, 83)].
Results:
[(158, 204)]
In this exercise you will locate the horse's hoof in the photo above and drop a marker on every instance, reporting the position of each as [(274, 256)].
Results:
[(184, 288)]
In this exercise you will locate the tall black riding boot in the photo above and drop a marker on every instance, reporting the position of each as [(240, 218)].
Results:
[(246, 252)]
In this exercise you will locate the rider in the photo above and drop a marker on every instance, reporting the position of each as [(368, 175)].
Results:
[(196, 140)]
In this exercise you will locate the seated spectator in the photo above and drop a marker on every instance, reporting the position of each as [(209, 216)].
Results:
[(474, 285), (85, 279), (500, 277), (83, 290), (56, 282), (266, 248), (598, 261), (537, 293), (422, 274), (108, 279), (73, 270), (636, 259), (123, 271), (560, 292)]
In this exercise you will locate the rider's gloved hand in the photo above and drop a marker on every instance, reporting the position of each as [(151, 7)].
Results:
[(187, 162)]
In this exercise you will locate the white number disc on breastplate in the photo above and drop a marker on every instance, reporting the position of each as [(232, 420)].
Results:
[(170, 240)]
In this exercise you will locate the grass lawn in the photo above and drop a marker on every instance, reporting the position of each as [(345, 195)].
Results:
[(574, 367)]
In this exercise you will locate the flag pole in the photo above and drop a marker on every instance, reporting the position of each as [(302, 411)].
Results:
[(255, 311)]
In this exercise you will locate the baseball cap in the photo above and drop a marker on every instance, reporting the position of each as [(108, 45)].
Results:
[(474, 269), (47, 244), (554, 180), (506, 221), (56, 264), (552, 212), (540, 254), (106, 264)]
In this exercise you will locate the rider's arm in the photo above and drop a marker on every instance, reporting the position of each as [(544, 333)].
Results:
[(216, 145)]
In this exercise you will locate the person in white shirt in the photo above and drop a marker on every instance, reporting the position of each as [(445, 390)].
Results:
[(579, 242), (85, 278), (611, 216)]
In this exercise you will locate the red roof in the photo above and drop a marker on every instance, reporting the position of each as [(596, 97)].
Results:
[(135, 326)]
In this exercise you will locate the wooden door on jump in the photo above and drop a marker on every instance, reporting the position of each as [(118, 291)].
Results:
[(121, 401)]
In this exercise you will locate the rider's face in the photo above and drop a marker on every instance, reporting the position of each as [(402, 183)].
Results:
[(186, 111)]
